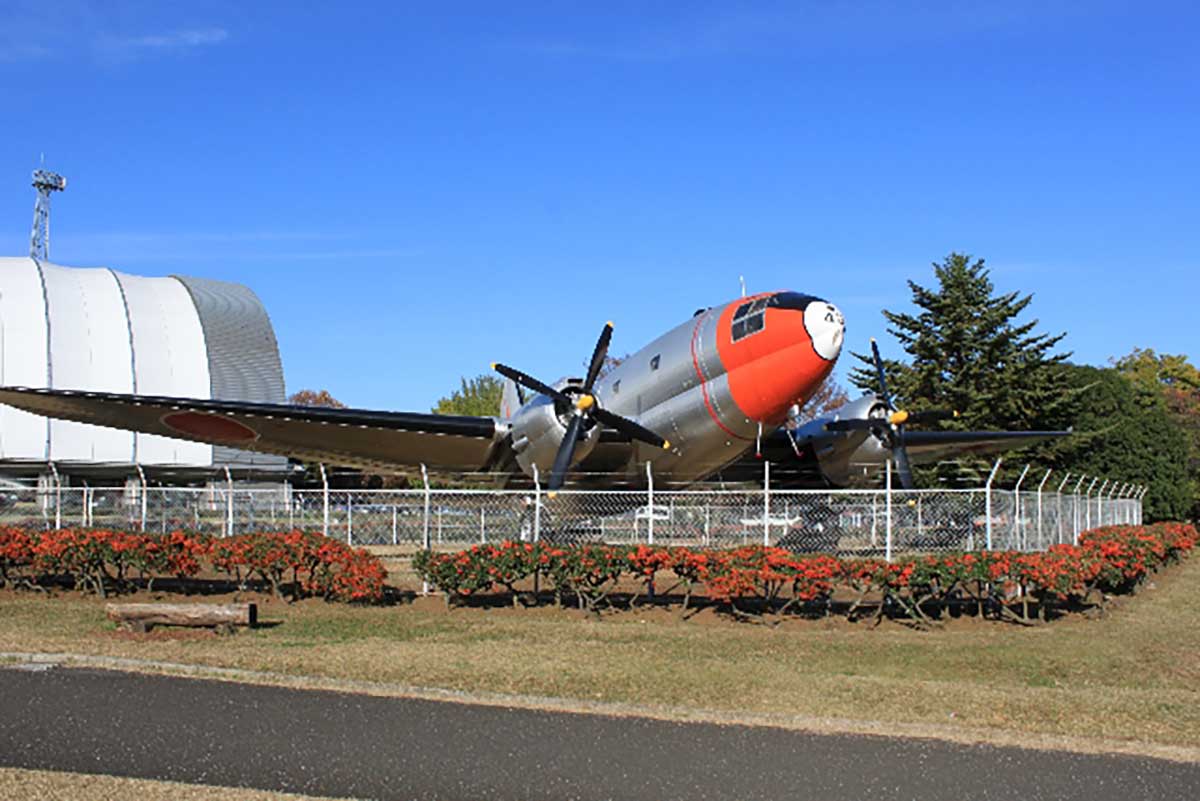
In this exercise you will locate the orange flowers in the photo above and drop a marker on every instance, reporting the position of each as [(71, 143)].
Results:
[(1111, 559), (105, 561)]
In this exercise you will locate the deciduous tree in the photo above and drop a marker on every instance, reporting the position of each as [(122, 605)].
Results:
[(476, 397), (1175, 381), (1120, 436)]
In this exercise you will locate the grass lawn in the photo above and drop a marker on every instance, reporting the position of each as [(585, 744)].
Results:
[(1130, 679)]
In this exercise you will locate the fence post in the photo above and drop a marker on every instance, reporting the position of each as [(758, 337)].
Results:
[(537, 506), (1018, 527), (425, 524), (349, 517), (766, 503), (874, 519), (920, 520), (142, 506), (1100, 503), (1087, 503), (887, 503), (987, 502), (1045, 478), (1058, 498), (324, 501), (58, 497), (395, 540), (649, 504), (228, 505), (1075, 517)]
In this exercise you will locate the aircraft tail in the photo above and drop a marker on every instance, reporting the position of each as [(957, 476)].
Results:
[(510, 399)]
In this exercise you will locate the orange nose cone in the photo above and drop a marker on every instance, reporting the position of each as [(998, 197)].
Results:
[(779, 364)]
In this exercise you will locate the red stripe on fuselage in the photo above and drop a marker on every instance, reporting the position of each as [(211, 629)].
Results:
[(704, 383)]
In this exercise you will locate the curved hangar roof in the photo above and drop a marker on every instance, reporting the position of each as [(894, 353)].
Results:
[(100, 330)]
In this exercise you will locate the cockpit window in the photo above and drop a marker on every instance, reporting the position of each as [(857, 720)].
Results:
[(750, 318)]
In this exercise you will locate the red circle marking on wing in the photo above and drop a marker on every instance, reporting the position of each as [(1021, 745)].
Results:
[(209, 426)]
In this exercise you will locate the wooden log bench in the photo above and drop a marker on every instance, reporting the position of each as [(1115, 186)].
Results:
[(222, 617)]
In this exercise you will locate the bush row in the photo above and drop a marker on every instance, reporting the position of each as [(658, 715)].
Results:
[(758, 579), (294, 563)]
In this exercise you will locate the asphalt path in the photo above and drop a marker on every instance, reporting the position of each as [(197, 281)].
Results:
[(339, 744)]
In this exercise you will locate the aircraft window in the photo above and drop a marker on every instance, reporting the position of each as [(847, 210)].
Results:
[(752, 323), (742, 311), (654, 363), (759, 305), (616, 387)]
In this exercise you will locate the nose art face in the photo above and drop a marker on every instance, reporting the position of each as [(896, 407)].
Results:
[(826, 328)]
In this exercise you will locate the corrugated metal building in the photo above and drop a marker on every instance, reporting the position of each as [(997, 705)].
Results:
[(102, 330)]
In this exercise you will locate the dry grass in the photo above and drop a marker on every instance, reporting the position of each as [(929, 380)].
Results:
[(1130, 677), (17, 784)]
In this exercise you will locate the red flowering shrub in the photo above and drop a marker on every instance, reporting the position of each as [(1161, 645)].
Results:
[(104, 561), (16, 555), (315, 565), (775, 580), (589, 572), (458, 575)]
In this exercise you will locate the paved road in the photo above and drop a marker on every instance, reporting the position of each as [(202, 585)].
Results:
[(338, 744)]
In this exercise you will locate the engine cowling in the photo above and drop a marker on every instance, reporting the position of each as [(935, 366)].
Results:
[(842, 455), (537, 431)]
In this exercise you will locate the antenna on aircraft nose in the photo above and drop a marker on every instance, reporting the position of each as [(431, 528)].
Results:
[(742, 281)]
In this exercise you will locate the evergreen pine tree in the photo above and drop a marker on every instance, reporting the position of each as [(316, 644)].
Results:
[(970, 354)]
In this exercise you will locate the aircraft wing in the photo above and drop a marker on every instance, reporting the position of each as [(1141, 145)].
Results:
[(350, 437), (931, 446)]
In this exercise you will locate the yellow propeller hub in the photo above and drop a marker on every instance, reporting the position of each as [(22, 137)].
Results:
[(585, 402), (898, 417)]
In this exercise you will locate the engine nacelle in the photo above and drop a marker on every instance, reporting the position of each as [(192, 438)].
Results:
[(843, 455), (537, 432)]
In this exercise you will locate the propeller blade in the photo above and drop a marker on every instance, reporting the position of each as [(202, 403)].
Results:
[(883, 390), (530, 382), (857, 424), (931, 416), (566, 452), (598, 357), (627, 426), (903, 467)]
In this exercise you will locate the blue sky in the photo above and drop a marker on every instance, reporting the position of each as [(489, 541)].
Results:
[(417, 190)]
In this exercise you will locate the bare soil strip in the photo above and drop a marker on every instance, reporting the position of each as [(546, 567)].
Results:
[(19, 784)]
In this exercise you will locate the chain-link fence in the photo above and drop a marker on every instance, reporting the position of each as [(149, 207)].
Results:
[(845, 522)]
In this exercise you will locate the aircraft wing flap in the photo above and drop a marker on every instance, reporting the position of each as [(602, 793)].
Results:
[(351, 437)]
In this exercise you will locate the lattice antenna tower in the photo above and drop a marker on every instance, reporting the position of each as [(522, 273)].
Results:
[(44, 182)]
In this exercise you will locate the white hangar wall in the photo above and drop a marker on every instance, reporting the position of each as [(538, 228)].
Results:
[(101, 330)]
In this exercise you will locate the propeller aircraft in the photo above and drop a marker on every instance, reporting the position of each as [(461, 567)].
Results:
[(695, 402)]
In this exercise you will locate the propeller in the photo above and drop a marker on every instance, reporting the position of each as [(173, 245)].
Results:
[(583, 408), (893, 424)]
